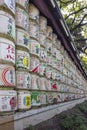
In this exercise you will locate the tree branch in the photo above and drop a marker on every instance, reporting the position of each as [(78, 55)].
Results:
[(83, 24), (67, 1), (78, 40), (79, 25), (82, 19), (74, 16), (73, 19), (76, 12)]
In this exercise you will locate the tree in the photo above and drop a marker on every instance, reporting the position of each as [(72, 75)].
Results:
[(75, 14)]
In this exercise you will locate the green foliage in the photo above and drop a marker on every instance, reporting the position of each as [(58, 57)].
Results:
[(75, 14), (67, 123), (82, 127), (82, 107), (73, 123), (73, 119), (30, 127), (84, 60), (77, 119)]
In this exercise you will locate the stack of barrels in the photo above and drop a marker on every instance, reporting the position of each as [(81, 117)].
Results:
[(51, 70), (35, 69), (43, 60), (8, 96), (34, 54), (22, 55)]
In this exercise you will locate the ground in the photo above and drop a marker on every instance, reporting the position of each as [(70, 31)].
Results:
[(73, 119)]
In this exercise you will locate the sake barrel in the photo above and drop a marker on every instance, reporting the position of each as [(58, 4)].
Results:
[(58, 86), (23, 3), (43, 24), (48, 72), (61, 87), (22, 18), (35, 82), (42, 39), (49, 98), (64, 88), (49, 32), (75, 96), (48, 84), (22, 59), (54, 38), (33, 12), (9, 4), (22, 38), (62, 50), (59, 55), (63, 78), (54, 86), (54, 50), (34, 47), (49, 45), (55, 98), (58, 44), (60, 67), (67, 97), (23, 80), (65, 62), (7, 75), (59, 76), (43, 68), (54, 63), (43, 54), (74, 90), (34, 64), (66, 79), (59, 97), (68, 88), (63, 97), (43, 98), (7, 51), (54, 73), (35, 99), (34, 30), (8, 100), (7, 25), (49, 59), (24, 100), (42, 83)]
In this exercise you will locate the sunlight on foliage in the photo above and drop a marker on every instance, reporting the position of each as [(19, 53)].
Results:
[(75, 15)]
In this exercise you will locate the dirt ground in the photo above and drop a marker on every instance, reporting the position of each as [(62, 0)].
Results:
[(73, 119)]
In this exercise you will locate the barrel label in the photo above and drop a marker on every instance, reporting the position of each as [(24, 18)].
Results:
[(9, 4), (35, 97), (7, 24), (22, 59), (34, 65), (22, 18), (8, 100), (23, 3), (23, 80), (7, 52), (22, 38), (27, 101), (7, 74)]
